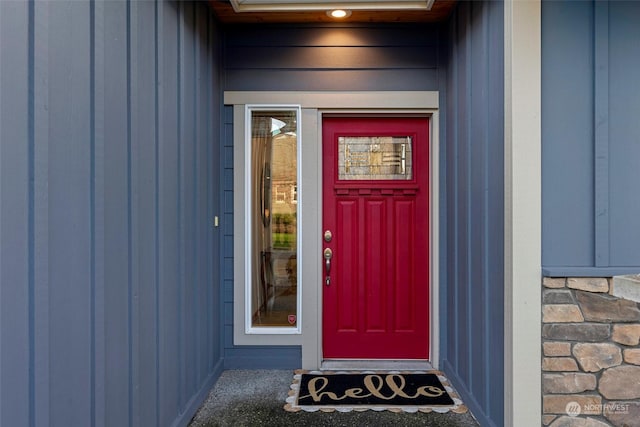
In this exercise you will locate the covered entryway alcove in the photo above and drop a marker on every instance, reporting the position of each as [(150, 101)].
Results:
[(450, 73)]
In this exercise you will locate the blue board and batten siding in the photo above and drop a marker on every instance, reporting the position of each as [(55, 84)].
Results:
[(109, 182), (473, 353), (110, 308), (590, 138)]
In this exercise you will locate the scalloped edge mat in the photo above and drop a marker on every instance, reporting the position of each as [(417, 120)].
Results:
[(292, 400)]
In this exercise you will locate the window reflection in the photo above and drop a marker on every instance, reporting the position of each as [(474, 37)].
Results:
[(274, 285)]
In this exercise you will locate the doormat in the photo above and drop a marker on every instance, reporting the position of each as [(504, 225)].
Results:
[(396, 391)]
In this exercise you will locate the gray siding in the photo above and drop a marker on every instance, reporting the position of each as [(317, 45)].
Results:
[(109, 170), (270, 58), (590, 138), (384, 57), (473, 295)]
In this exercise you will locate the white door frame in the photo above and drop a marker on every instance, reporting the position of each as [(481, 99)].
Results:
[(430, 114)]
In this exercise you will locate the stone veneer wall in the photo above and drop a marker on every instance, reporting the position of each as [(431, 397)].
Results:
[(591, 354)]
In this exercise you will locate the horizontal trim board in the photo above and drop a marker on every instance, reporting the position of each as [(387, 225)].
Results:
[(338, 100), (333, 80), (320, 58), (588, 271), (263, 358), (378, 36)]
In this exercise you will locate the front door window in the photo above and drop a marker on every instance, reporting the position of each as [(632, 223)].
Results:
[(375, 158)]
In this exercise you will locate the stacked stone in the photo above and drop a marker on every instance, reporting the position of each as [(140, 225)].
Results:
[(591, 354)]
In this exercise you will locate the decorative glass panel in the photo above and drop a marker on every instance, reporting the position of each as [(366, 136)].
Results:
[(375, 158), (274, 171)]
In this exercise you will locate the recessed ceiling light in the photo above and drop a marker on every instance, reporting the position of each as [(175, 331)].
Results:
[(339, 13)]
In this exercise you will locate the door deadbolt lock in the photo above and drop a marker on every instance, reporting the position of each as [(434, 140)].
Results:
[(328, 236)]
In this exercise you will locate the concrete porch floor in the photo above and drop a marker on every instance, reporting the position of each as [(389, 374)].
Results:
[(257, 398)]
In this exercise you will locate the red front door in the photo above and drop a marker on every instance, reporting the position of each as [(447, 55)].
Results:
[(376, 210)]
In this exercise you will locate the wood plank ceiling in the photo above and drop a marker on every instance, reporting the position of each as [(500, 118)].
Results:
[(440, 11)]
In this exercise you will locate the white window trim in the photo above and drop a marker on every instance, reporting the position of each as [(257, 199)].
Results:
[(242, 330), (249, 204)]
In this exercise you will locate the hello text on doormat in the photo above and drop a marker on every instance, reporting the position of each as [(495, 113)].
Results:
[(371, 390)]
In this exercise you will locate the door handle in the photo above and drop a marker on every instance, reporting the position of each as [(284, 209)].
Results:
[(328, 254)]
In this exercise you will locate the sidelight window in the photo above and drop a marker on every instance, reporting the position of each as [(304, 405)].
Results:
[(273, 292)]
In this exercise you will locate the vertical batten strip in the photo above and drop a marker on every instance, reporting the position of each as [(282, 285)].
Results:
[(485, 387), (114, 77), (476, 214), (31, 212), (210, 191), (195, 170), (167, 367), (157, 32), (440, 223), (189, 147), (92, 216), (467, 167), (15, 321), (455, 186), (40, 242), (182, 377), (132, 287), (203, 190), (98, 226), (495, 211), (601, 132)]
